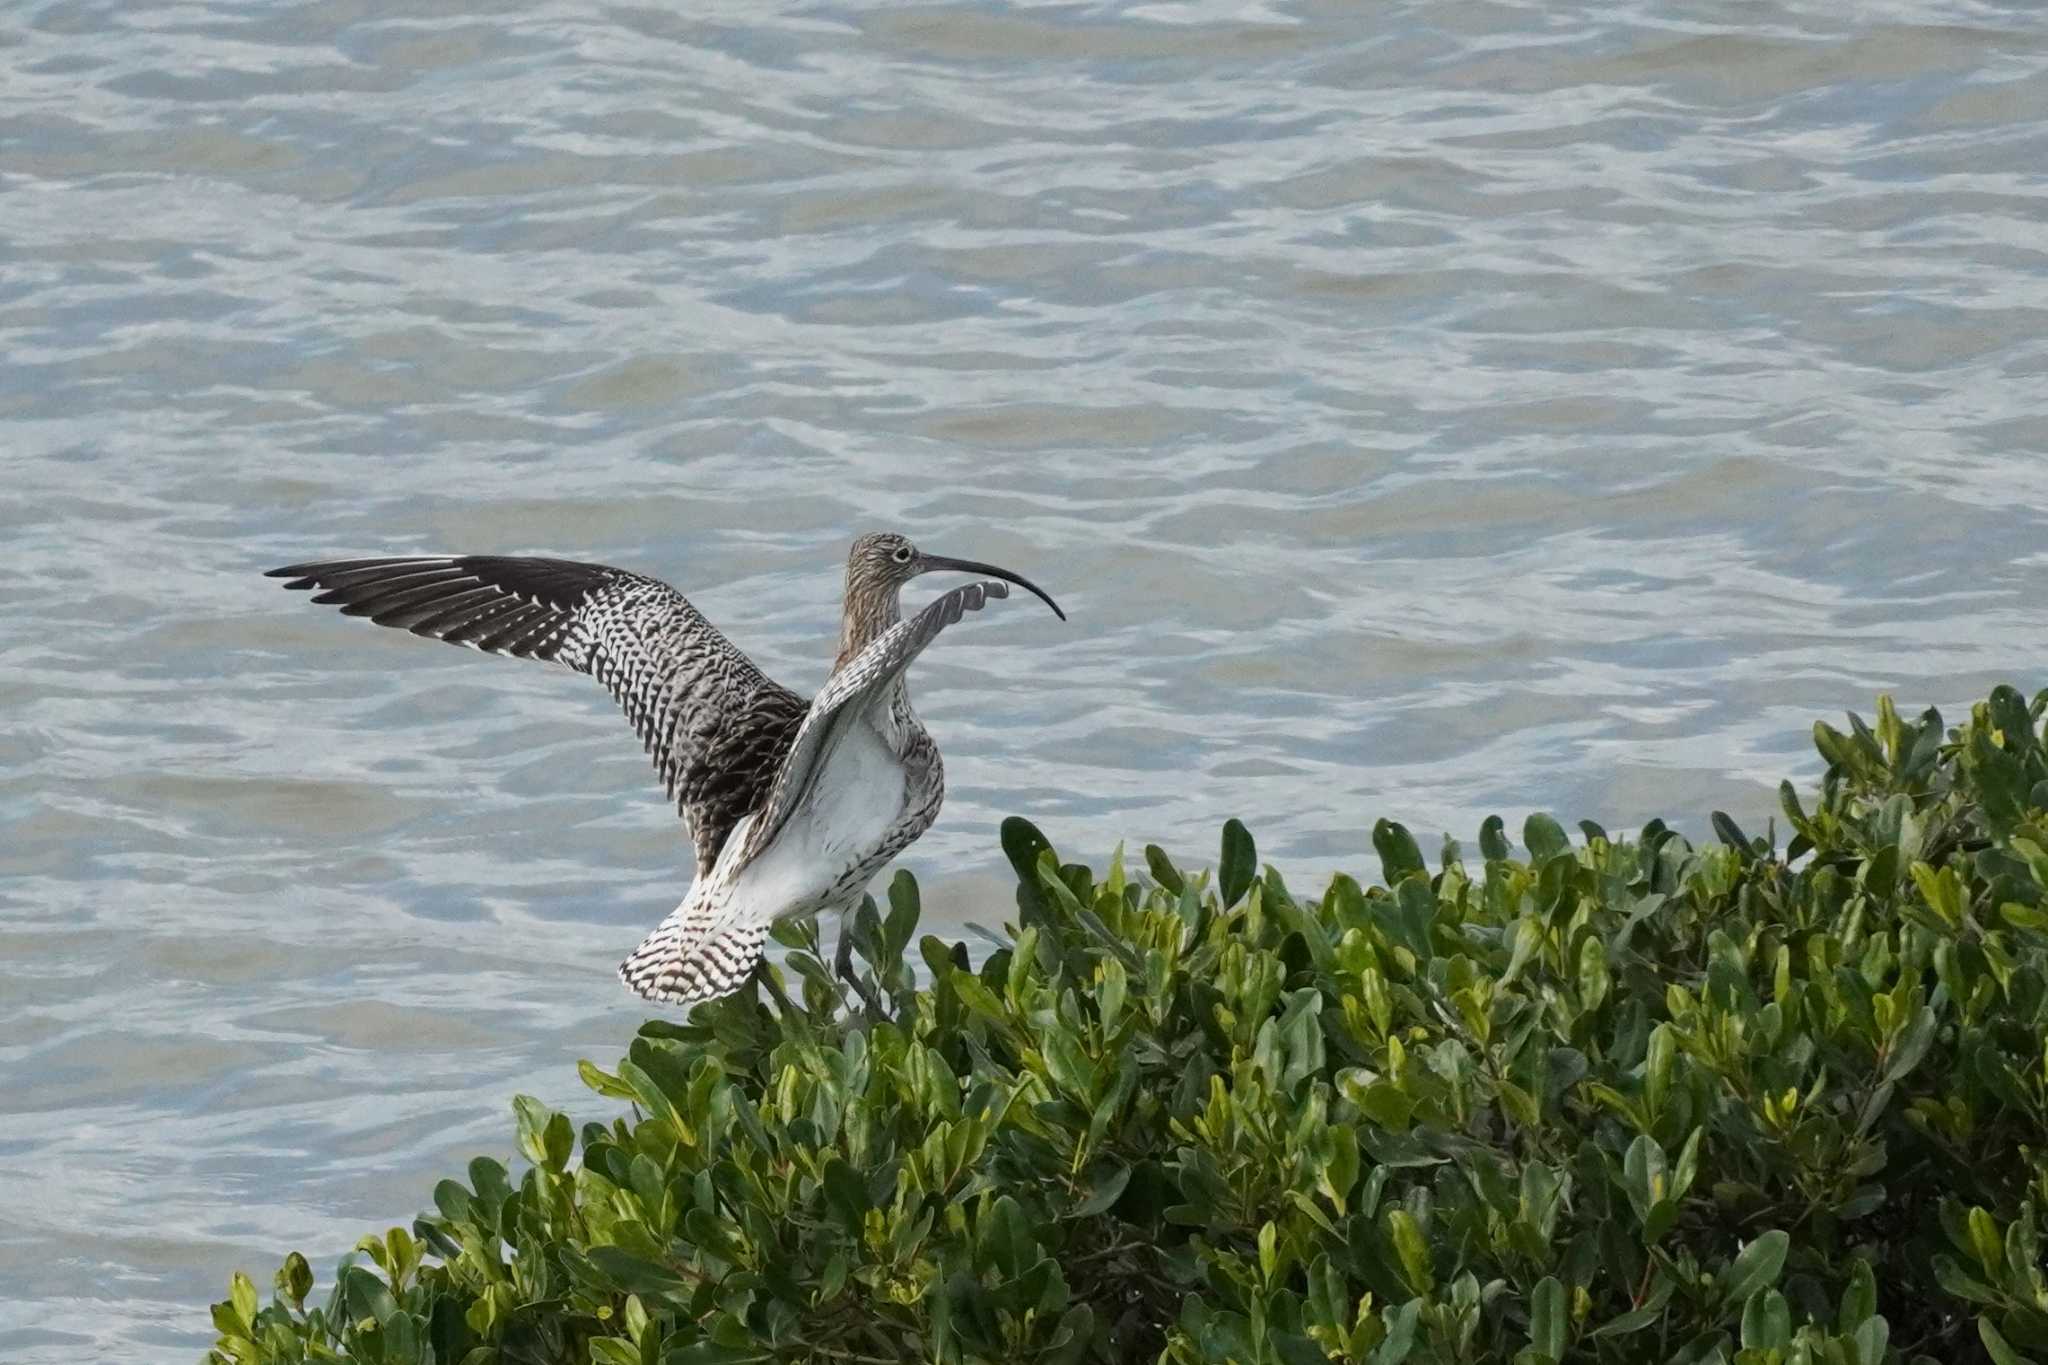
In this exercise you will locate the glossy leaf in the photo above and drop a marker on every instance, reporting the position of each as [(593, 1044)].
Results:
[(1756, 1268), (1238, 866), (1548, 1320)]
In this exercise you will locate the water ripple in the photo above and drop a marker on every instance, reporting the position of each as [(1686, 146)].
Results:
[(1473, 408)]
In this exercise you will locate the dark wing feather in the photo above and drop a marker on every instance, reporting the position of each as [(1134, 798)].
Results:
[(716, 726)]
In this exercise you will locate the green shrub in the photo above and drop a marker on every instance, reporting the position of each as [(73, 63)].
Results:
[(1618, 1101)]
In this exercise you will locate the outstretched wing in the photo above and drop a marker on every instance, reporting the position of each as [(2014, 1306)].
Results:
[(850, 691), (715, 725), (708, 945)]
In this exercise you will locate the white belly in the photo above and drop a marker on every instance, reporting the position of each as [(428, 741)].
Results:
[(856, 800)]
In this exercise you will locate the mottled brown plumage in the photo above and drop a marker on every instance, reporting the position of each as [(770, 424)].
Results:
[(728, 742), (714, 724)]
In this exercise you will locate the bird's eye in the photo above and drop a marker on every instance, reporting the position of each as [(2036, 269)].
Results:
[(901, 554)]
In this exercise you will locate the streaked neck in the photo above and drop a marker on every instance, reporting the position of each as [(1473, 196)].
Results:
[(868, 614)]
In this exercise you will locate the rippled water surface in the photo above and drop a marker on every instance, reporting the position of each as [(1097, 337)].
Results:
[(1422, 409)]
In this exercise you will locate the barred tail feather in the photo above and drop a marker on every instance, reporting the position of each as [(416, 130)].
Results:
[(678, 967)]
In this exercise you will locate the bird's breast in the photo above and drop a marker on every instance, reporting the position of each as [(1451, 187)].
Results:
[(848, 826), (856, 799)]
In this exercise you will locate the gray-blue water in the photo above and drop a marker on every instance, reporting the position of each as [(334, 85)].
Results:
[(1422, 409)]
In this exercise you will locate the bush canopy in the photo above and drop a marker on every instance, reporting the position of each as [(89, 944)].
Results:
[(1613, 1100)]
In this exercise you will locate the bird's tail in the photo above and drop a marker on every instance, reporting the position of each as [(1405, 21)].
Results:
[(692, 957)]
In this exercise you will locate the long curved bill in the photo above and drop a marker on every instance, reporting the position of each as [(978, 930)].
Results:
[(932, 562)]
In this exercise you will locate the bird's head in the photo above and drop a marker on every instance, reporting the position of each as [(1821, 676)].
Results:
[(878, 566)]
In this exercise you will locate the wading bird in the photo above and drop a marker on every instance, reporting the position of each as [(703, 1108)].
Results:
[(793, 805)]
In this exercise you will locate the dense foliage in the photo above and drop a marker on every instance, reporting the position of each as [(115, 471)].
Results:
[(1615, 1101)]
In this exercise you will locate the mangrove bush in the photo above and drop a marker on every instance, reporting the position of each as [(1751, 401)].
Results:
[(1589, 1099)]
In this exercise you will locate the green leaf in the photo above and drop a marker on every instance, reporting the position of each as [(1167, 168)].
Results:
[(1767, 1322), (1755, 1268), (1688, 1164), (1544, 837), (233, 1331), (603, 1082), (295, 1278), (1162, 869), (2032, 918), (1657, 1062), (1107, 1190), (1635, 1320), (846, 1193), (1239, 864), (1943, 891), (1592, 974), (1108, 938), (1111, 991), (1399, 855), (1859, 1297), (1644, 1168), (1959, 1282), (1415, 911), (544, 1135), (367, 1296), (1528, 939), (1985, 1242), (1400, 1325), (1412, 1250), (635, 1275), (712, 1234), (1493, 839), (1731, 834), (976, 996), (904, 911), (1997, 1347), (453, 1201), (242, 1294), (1022, 844), (1911, 1047), (1548, 1318), (712, 1353), (650, 1092)]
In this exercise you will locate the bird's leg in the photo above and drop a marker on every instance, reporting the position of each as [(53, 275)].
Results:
[(763, 976), (842, 964)]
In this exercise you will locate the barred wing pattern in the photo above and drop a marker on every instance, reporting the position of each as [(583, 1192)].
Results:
[(849, 693), (715, 725), (709, 944), (683, 964)]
